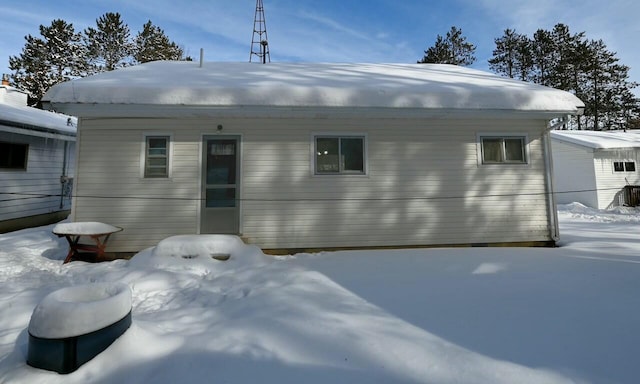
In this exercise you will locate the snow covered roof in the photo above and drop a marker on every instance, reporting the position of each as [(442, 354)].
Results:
[(36, 122), (324, 85), (12, 96), (600, 139)]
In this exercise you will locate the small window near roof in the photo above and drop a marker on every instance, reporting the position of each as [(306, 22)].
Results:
[(13, 156), (630, 166), (499, 150), (624, 166), (157, 156), (339, 155), (618, 166)]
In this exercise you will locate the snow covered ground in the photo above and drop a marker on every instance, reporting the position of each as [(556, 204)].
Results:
[(469, 315)]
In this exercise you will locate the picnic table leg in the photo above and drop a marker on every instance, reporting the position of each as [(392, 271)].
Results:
[(73, 242), (100, 245)]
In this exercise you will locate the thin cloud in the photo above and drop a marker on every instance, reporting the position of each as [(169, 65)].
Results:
[(335, 31), (334, 25)]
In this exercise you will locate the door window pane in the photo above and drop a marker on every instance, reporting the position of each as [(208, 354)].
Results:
[(157, 162), (221, 197), (221, 162), (223, 148)]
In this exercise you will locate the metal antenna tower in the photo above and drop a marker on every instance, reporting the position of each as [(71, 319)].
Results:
[(259, 41)]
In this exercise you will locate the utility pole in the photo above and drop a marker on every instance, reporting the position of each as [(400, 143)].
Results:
[(259, 41)]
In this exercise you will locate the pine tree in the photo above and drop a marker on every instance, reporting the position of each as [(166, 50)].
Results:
[(452, 49), (57, 56), (60, 54), (152, 44), (439, 53), (544, 53), (109, 44), (570, 62), (607, 96), (525, 59), (600, 59), (512, 56)]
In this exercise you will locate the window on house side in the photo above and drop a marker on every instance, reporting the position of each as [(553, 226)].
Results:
[(13, 156), (339, 155), (630, 166), (498, 150), (624, 166), (618, 166), (157, 157)]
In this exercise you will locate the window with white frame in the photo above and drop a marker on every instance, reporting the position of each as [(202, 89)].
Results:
[(156, 162), (13, 156), (503, 149), (624, 166), (339, 155)]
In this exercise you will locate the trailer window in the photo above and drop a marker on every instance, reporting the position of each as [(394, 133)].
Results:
[(14, 156)]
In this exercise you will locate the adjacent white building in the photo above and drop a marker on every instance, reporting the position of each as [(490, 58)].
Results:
[(314, 156), (37, 162), (594, 167)]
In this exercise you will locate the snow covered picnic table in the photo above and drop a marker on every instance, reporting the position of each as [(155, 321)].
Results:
[(99, 233)]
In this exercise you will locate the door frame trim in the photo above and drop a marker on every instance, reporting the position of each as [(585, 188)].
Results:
[(239, 179)]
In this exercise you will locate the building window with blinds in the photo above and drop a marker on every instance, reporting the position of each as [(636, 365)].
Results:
[(156, 157), (503, 150)]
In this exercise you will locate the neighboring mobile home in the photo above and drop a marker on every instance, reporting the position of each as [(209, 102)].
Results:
[(37, 161), (314, 156), (595, 168)]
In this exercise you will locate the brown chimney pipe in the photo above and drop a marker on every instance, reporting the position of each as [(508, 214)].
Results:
[(5, 79)]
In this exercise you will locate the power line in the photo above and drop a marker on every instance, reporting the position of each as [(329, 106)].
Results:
[(27, 196)]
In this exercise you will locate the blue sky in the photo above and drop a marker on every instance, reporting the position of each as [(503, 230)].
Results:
[(335, 30)]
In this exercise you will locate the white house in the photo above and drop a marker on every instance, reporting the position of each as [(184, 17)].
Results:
[(594, 167), (298, 156), (37, 162)]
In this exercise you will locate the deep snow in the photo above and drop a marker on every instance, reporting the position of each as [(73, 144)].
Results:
[(467, 315)]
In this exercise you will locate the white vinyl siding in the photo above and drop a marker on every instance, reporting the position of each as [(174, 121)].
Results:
[(610, 183), (588, 175), (423, 185), (35, 190), (574, 174), (110, 189)]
